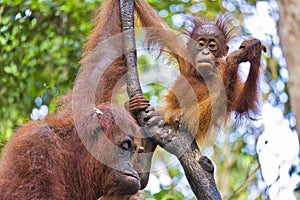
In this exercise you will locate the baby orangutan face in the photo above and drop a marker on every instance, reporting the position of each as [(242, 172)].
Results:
[(209, 45)]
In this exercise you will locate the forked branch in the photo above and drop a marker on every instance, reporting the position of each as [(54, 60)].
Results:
[(180, 142)]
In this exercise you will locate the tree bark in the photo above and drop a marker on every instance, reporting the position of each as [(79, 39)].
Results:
[(142, 162), (199, 169), (289, 26)]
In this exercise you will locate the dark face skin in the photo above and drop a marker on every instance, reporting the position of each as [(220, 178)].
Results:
[(209, 46), (124, 180), (114, 146), (207, 49)]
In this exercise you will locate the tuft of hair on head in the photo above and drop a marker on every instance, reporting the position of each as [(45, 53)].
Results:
[(223, 22), (193, 23)]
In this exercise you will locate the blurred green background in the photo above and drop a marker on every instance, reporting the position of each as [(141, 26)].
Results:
[(41, 43)]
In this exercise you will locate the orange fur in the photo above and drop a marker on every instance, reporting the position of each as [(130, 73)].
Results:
[(47, 159), (205, 102)]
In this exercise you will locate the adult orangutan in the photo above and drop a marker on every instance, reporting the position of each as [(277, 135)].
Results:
[(209, 87), (48, 160), (59, 158)]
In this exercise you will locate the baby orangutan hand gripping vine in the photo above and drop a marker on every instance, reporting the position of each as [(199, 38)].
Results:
[(209, 87)]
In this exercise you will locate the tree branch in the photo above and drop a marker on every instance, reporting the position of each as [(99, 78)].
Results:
[(198, 168), (127, 18)]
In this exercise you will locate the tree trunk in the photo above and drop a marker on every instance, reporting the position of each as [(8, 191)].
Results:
[(199, 169), (289, 26)]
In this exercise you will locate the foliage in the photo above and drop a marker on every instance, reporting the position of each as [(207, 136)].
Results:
[(238, 175), (40, 46)]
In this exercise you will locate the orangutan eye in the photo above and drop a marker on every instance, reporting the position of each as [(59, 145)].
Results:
[(201, 44), (124, 148), (126, 145), (212, 46)]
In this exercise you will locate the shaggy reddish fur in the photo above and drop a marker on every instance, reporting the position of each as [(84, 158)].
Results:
[(221, 91), (44, 160), (47, 160)]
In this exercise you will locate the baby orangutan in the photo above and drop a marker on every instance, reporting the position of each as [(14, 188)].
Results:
[(209, 87)]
